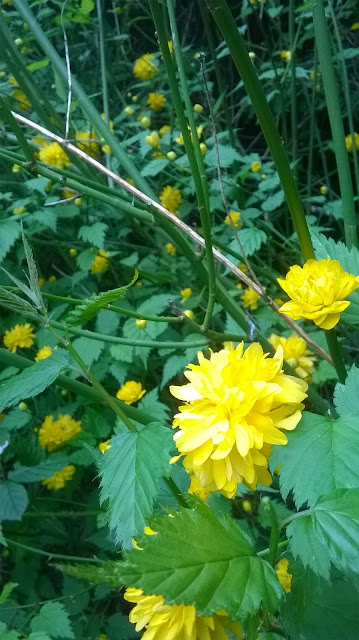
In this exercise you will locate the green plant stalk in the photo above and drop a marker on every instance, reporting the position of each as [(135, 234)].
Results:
[(101, 32), (92, 395), (85, 103), (311, 105), (274, 534), (6, 115), (293, 88), (336, 122), (245, 67), (337, 354), (195, 163), (346, 94), (50, 555), (204, 211)]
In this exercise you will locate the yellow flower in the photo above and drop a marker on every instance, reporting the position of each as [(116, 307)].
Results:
[(197, 490), (43, 353), (186, 293), (146, 122), (284, 577), (60, 478), (177, 621), (318, 291), (87, 141), (203, 148), (100, 262), (106, 148), (21, 335), (189, 314), (53, 433), (104, 446), (164, 130), (156, 101), (54, 155), (157, 155), (198, 108), (349, 142), (153, 139), (130, 392), (286, 55), (256, 166), (355, 26), (102, 636), (129, 111), (16, 168), (323, 190), (22, 99), (297, 355), (41, 282), (171, 249), (18, 210), (199, 131), (144, 68), (250, 299), (233, 218), (171, 198), (243, 267), (247, 506), (237, 403)]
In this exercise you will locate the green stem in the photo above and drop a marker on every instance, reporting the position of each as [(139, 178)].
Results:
[(337, 354), (274, 534), (48, 554), (6, 115), (61, 514), (175, 492), (237, 47), (111, 401), (294, 516), (293, 82), (9, 359), (281, 545), (101, 33), (336, 121)]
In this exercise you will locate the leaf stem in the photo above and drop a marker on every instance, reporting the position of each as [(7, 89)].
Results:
[(48, 554), (337, 354), (274, 534)]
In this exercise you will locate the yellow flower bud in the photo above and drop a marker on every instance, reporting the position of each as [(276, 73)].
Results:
[(129, 111), (22, 406), (189, 313), (171, 155), (78, 201), (73, 253), (145, 121), (203, 147), (247, 506), (198, 108), (323, 190), (141, 324)]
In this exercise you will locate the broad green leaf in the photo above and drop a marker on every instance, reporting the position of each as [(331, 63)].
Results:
[(273, 202), (6, 591), (39, 635), (45, 469), (346, 397), (173, 366), (53, 619), (15, 419), (9, 233), (321, 455), (154, 167), (119, 626), (251, 240), (130, 473), (153, 406), (107, 322), (323, 372), (33, 380), (227, 155), (8, 635), (328, 533), (88, 349), (82, 313), (94, 235), (13, 500), (200, 559)]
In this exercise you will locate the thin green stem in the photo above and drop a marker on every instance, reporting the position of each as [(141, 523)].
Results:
[(6, 115), (175, 491), (237, 47), (61, 514), (293, 90), (101, 33), (294, 516), (50, 555), (336, 121), (337, 354), (274, 534), (281, 545)]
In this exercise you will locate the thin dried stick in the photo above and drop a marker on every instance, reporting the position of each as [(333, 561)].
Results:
[(178, 223)]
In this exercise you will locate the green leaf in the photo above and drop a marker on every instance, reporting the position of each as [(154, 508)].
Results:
[(33, 380), (107, 573), (227, 155), (346, 398), (39, 635), (321, 455), (130, 473), (94, 235), (13, 501), (88, 349), (323, 372), (39, 64), (154, 167), (2, 539), (7, 590), (200, 559), (8, 635), (45, 469), (33, 275), (9, 233), (153, 406), (53, 619), (82, 313), (15, 419), (328, 533), (172, 367), (273, 202), (107, 322), (251, 240), (11, 301)]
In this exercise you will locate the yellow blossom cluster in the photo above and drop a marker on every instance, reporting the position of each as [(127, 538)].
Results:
[(297, 355), (349, 141), (54, 155), (233, 218), (284, 577), (250, 299), (156, 101), (20, 336), (100, 261), (171, 249), (171, 198), (144, 67), (130, 392), (238, 403), (104, 446), (53, 433), (60, 478), (88, 142), (43, 353)]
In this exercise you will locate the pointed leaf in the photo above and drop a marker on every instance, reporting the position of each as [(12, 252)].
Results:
[(346, 397), (53, 619), (13, 501)]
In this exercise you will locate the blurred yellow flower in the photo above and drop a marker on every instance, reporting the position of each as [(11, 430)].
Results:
[(286, 55), (196, 489), (144, 68), (171, 249), (22, 99), (100, 262), (156, 101), (318, 291), (185, 293), (53, 433), (234, 218), (189, 314), (43, 353), (54, 155), (105, 446), (237, 404), (177, 622), (145, 121), (18, 210), (16, 168), (243, 267), (158, 155), (297, 355), (87, 141), (349, 142), (130, 392), (171, 198), (203, 147), (355, 26), (153, 139), (20, 336), (323, 190), (198, 108), (60, 478), (199, 132), (247, 506), (284, 577), (256, 166), (164, 130), (250, 299), (129, 111)]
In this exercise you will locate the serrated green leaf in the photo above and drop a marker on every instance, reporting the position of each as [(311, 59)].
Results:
[(9, 635), (11, 301), (130, 474), (45, 469), (321, 455), (94, 235), (33, 380), (15, 419), (7, 590), (251, 240), (33, 275), (53, 619), (13, 500), (107, 573), (9, 233), (39, 635), (328, 533), (346, 397), (153, 406), (323, 372), (273, 202), (88, 309), (154, 167), (88, 349), (172, 367), (107, 322), (200, 559), (227, 155)]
